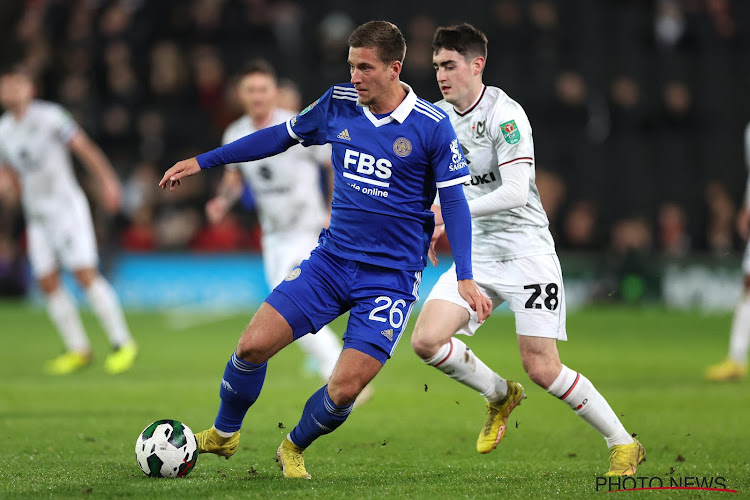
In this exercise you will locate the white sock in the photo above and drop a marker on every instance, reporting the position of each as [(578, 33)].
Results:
[(739, 341), (107, 308), (324, 347), (578, 392), (456, 360), (223, 433), (62, 310)]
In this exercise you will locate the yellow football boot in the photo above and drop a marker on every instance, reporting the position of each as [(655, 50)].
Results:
[(209, 441), (625, 458), (67, 363), (290, 459), (497, 418), (122, 359), (725, 371)]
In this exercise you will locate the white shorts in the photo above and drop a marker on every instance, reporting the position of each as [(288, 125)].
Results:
[(746, 261), (283, 252), (532, 287), (62, 239)]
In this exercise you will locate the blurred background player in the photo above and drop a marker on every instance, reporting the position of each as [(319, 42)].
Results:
[(513, 256), (735, 366), (290, 97), (36, 138), (291, 207)]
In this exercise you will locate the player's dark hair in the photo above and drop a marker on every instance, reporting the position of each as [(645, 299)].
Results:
[(384, 37), (463, 38), (258, 66), (17, 68)]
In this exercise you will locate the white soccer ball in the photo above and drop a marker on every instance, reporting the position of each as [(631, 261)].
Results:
[(166, 448)]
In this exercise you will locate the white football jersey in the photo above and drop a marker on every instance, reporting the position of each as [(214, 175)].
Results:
[(495, 132), (286, 187), (36, 146)]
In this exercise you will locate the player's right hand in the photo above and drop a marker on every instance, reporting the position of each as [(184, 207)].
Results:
[(478, 301), (436, 234), (184, 168), (216, 209)]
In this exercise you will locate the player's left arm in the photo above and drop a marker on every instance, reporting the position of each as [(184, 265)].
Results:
[(451, 171), (94, 159)]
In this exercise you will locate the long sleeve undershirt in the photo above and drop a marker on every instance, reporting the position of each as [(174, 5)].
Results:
[(512, 194)]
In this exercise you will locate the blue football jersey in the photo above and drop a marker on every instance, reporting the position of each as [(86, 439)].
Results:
[(387, 171)]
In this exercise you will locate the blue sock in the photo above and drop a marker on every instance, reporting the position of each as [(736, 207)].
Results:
[(240, 387), (319, 417)]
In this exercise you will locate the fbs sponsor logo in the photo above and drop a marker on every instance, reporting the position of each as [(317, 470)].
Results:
[(388, 334), (293, 275), (640, 483), (344, 134)]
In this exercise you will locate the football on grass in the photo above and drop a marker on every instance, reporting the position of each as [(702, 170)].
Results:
[(166, 448)]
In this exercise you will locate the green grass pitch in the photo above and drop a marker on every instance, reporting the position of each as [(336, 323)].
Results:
[(73, 437)]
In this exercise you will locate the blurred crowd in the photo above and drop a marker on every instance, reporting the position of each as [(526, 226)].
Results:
[(638, 107)]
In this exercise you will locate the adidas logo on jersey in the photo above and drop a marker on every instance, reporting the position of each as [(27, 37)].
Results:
[(388, 334), (344, 134)]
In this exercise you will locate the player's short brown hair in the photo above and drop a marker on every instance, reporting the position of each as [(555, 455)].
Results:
[(384, 37), (463, 38), (258, 66)]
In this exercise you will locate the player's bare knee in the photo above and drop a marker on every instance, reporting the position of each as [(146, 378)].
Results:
[(249, 351), (85, 277), (424, 346), (49, 283), (344, 392), (541, 373)]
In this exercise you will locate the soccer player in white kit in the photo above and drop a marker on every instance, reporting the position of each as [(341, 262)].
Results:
[(513, 256), (735, 366), (290, 203), (36, 138)]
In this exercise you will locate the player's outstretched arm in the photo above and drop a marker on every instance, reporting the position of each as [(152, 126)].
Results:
[(174, 175), (261, 144)]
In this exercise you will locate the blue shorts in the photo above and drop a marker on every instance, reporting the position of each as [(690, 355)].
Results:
[(325, 286)]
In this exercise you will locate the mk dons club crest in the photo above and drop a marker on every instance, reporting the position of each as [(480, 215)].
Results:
[(402, 147), (510, 131), (479, 129), (293, 275)]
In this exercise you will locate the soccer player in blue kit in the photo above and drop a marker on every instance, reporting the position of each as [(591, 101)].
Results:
[(392, 151)]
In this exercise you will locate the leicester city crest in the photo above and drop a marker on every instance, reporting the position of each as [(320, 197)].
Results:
[(402, 147)]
